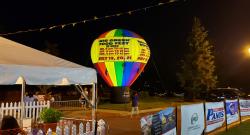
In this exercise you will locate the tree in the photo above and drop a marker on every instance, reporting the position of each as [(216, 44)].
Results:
[(197, 73)]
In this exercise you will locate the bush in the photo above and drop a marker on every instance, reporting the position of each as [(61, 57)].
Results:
[(50, 115)]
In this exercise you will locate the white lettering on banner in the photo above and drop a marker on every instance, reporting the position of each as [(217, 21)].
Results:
[(192, 119), (244, 107), (215, 115)]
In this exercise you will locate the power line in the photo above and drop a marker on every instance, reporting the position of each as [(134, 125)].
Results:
[(95, 18)]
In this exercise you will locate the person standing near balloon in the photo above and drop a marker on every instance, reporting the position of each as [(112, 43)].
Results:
[(135, 103)]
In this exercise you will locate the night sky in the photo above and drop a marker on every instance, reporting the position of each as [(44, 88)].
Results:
[(165, 28)]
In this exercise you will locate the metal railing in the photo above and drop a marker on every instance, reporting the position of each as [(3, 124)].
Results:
[(69, 105)]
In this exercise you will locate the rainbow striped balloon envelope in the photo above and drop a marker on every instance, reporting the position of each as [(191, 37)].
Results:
[(120, 56)]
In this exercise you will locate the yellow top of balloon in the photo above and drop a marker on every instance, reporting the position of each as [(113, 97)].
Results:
[(120, 45)]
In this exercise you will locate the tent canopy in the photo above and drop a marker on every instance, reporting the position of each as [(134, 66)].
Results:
[(39, 68)]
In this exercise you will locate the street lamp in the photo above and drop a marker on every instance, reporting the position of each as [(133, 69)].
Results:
[(246, 51)]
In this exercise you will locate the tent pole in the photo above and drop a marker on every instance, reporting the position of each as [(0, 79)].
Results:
[(93, 108), (79, 88), (22, 101), (92, 102)]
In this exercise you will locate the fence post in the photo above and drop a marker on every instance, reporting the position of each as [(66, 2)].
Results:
[(66, 130), (73, 130), (49, 132), (40, 132), (6, 108), (101, 130), (225, 107), (1, 109), (33, 111), (87, 127), (11, 109), (205, 118), (81, 127), (15, 107), (48, 104), (239, 109), (25, 112), (37, 110), (58, 131), (1, 114), (19, 110), (29, 132)]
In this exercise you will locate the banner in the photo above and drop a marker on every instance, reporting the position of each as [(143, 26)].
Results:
[(146, 124), (244, 107), (115, 49), (192, 119), (232, 111), (215, 115), (161, 123), (168, 121)]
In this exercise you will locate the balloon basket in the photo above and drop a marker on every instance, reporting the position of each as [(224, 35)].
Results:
[(120, 95)]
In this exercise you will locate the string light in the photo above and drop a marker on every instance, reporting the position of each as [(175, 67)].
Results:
[(62, 26)]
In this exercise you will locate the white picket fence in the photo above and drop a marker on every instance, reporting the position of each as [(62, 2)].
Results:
[(69, 128), (32, 109)]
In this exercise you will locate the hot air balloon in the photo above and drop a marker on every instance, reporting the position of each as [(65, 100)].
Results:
[(119, 56)]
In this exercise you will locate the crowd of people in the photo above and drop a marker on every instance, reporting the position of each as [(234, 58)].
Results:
[(30, 97)]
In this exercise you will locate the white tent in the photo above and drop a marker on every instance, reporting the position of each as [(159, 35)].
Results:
[(20, 64), (39, 68)]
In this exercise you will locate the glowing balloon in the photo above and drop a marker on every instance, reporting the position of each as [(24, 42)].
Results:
[(119, 56)]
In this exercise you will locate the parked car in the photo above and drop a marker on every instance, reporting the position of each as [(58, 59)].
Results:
[(220, 94), (245, 93)]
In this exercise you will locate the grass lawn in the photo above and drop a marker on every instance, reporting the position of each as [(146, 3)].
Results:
[(146, 102), (242, 129)]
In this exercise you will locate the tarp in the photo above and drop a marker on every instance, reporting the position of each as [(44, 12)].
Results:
[(39, 68)]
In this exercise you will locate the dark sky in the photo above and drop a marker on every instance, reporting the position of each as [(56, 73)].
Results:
[(165, 28)]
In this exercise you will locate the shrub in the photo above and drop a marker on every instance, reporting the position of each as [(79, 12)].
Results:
[(50, 115)]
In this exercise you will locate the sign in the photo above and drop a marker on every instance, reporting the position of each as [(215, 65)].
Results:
[(156, 125), (192, 119), (27, 124), (161, 123), (146, 124), (115, 49), (215, 115), (232, 111), (168, 121), (244, 107)]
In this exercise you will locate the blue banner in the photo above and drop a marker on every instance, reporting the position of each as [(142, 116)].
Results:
[(168, 120), (232, 111), (161, 123)]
